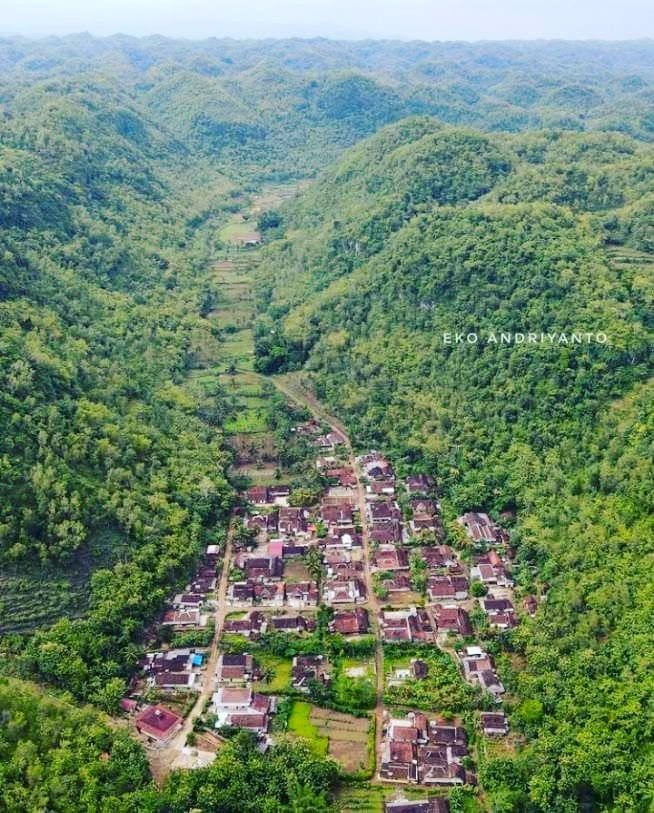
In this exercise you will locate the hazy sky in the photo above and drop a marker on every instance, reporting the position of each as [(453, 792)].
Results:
[(350, 19)]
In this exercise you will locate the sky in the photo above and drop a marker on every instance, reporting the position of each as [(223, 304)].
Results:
[(344, 19)]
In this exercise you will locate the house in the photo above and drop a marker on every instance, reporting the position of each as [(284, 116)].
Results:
[(350, 622), (250, 626), (203, 584), (438, 557), (241, 593), (500, 612), (232, 699), (302, 594), (449, 735), (425, 515), (158, 723), (453, 619), (389, 557), (480, 528), (174, 680), (310, 667), (186, 600), (406, 625), (345, 571), (270, 594), (262, 523), (386, 534), (490, 569), (383, 513), (183, 619), (342, 538), (279, 494), (294, 551), (395, 626), (530, 605), (419, 484), (337, 591), (376, 467), (337, 556), (415, 749), (478, 669), (419, 669), (292, 521), (340, 516), (447, 587), (242, 708), (345, 477), (260, 568), (174, 660), (379, 489), (235, 667), (494, 724), (399, 583), (421, 626), (258, 495), (292, 623), (128, 705)]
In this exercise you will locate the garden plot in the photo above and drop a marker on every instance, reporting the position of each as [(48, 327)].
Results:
[(343, 737)]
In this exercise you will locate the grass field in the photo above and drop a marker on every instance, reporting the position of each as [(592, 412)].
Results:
[(300, 724), (357, 668), (280, 668)]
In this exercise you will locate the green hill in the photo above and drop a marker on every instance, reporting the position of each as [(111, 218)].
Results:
[(423, 232)]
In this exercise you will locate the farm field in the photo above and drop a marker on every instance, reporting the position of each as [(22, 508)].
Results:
[(237, 228), (343, 737)]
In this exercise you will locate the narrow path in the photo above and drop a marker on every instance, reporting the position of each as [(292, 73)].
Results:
[(292, 387)]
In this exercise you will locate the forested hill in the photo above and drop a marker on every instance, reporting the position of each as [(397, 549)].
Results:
[(424, 230), (112, 479), (290, 106)]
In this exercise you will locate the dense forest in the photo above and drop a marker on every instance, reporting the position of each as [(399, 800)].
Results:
[(510, 188)]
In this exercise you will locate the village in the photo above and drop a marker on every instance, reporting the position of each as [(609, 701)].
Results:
[(320, 618)]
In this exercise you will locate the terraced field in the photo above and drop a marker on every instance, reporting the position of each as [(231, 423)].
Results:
[(246, 424), (38, 595)]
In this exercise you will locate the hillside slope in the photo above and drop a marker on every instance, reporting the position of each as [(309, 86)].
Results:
[(111, 480), (425, 231)]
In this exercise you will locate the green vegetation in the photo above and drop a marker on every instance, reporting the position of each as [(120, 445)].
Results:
[(242, 778), (442, 690), (54, 756), (398, 245), (299, 723), (126, 387)]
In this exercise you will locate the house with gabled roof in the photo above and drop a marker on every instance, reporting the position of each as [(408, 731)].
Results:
[(235, 667), (419, 484), (494, 724), (350, 622), (453, 619)]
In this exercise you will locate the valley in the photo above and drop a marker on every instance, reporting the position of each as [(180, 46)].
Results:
[(267, 541)]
